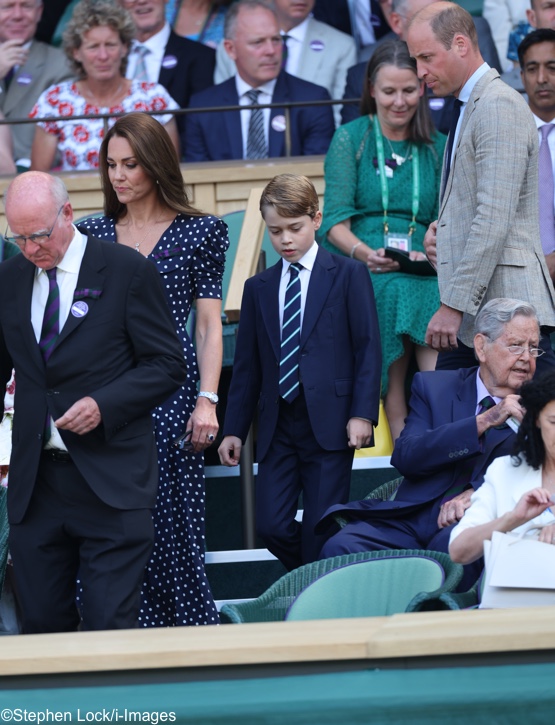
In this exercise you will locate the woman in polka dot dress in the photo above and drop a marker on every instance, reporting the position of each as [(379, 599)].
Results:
[(146, 208)]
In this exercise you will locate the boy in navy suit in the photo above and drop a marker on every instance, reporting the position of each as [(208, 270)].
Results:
[(308, 354)]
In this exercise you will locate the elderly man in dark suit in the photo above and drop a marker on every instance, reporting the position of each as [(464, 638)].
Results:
[(87, 329), (253, 41), (159, 55), (27, 68), (457, 425)]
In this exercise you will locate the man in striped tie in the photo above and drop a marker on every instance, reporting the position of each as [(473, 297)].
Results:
[(86, 327), (308, 354)]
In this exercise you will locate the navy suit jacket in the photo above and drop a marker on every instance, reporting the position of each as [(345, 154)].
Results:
[(340, 361), (123, 352), (440, 437), (193, 72), (217, 136)]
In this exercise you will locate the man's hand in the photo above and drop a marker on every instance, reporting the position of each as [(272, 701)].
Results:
[(453, 510), (497, 415), (12, 53), (430, 244), (359, 433), (443, 328), (230, 451), (81, 418)]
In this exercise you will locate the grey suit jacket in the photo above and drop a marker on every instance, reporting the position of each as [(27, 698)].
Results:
[(326, 56), (45, 67), (488, 239)]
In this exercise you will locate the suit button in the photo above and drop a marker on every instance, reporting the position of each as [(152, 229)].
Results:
[(450, 455), (465, 450)]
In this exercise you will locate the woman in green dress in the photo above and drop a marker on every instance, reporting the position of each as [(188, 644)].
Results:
[(382, 175)]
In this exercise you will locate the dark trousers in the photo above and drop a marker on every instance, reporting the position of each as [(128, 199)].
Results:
[(463, 356), (398, 533), (68, 531), (296, 462)]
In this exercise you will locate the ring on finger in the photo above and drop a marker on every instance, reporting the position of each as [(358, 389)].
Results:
[(378, 269), (210, 437)]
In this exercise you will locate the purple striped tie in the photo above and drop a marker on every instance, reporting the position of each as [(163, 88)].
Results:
[(51, 320)]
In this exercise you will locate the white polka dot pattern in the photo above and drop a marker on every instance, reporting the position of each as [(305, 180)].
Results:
[(190, 257)]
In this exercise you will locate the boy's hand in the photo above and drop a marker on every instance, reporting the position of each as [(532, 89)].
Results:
[(359, 432), (230, 451)]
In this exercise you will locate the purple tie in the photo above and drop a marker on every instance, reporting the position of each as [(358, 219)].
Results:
[(546, 191), (51, 320)]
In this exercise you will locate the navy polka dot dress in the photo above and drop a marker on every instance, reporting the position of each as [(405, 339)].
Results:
[(190, 257)]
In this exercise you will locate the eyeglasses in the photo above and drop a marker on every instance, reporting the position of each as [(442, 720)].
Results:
[(39, 238), (520, 349), (184, 441)]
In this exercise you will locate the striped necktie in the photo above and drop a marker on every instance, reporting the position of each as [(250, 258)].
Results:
[(291, 337), (51, 320), (141, 72), (256, 139)]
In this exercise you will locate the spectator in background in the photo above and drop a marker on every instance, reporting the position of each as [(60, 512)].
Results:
[(27, 68), (253, 41), (382, 177), (96, 41), (503, 16), (540, 15), (7, 165), (202, 21), (365, 20), (312, 50), (158, 55)]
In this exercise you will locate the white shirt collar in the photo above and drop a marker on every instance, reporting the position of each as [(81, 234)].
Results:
[(468, 87), (71, 261), (540, 123), (482, 392), (298, 32), (157, 42), (242, 87), (307, 260)]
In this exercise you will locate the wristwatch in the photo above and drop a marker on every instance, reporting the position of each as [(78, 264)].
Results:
[(212, 397)]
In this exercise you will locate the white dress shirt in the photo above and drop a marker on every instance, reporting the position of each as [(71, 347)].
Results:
[(265, 97), (67, 273), (295, 39), (307, 262), (153, 60)]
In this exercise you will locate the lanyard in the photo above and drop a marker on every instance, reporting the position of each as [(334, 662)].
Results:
[(383, 179)]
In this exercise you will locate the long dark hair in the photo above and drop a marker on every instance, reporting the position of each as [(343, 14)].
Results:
[(396, 53), (154, 151), (534, 396)]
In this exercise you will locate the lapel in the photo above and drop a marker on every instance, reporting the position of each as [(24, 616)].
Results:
[(477, 91), (276, 139), (232, 119), (464, 404), (322, 278), (167, 75), (269, 304), (90, 278), (309, 60), (24, 295), (32, 67)]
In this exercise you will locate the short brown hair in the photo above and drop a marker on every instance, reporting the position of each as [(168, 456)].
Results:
[(451, 21), (155, 153), (89, 14), (291, 195)]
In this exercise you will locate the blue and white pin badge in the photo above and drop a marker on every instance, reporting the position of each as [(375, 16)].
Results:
[(317, 45), (24, 79), (79, 309)]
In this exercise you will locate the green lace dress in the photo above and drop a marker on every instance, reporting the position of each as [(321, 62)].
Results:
[(405, 302)]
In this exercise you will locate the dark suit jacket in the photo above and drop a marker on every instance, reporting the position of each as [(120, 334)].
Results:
[(340, 353), (193, 72), (441, 113), (123, 352), (439, 438), (217, 136), (336, 13)]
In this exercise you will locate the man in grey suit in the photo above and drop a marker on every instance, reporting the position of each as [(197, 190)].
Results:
[(27, 68), (486, 241), (313, 51)]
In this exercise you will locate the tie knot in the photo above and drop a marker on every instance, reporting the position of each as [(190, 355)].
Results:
[(487, 403), (141, 50), (295, 268), (252, 95), (51, 273), (546, 130)]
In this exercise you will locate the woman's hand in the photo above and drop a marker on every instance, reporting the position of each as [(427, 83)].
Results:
[(376, 261), (417, 256), (547, 534), (204, 424), (532, 504)]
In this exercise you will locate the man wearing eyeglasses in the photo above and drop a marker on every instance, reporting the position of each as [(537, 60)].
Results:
[(87, 329), (459, 421)]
